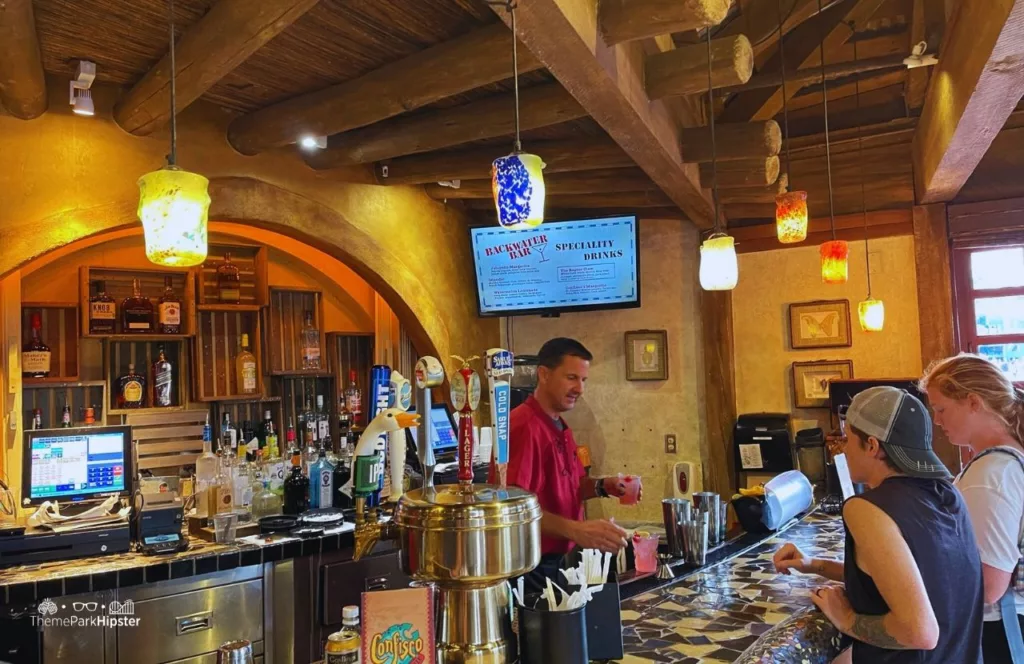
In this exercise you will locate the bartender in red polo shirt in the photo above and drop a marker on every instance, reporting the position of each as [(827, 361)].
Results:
[(542, 456)]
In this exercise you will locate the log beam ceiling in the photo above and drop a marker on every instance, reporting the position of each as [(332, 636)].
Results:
[(207, 52), (627, 20), (612, 180), (479, 58), (975, 88), (22, 82), (684, 70)]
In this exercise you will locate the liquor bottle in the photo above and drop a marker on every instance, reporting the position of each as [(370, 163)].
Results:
[(228, 281), (354, 399), (245, 368), (136, 312), (35, 355), (270, 436), (206, 471), (310, 342), (243, 482), (308, 437), (228, 436), (266, 502), (342, 473), (296, 489), (321, 482), (102, 311), (131, 389), (323, 420), (289, 438), (163, 377), (65, 417), (37, 419), (169, 310), (345, 645)]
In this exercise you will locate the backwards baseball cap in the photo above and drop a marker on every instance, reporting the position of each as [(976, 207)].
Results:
[(901, 424)]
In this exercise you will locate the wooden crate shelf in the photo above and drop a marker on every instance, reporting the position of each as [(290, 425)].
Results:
[(348, 352), (119, 354), (166, 440), (252, 272), (51, 398), (119, 286), (252, 411), (59, 331), (285, 319), (294, 390), (218, 340)]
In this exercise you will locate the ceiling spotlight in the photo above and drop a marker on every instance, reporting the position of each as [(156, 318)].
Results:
[(313, 142), (918, 57), (81, 96), (454, 184)]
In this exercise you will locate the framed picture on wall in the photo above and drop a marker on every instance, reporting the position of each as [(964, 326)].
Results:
[(821, 324), (647, 355), (811, 381)]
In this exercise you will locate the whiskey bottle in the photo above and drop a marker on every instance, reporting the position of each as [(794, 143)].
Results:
[(169, 310), (354, 399), (245, 368), (228, 281), (131, 389), (35, 355), (310, 340), (102, 311), (296, 489), (65, 417), (136, 312), (37, 419), (163, 377)]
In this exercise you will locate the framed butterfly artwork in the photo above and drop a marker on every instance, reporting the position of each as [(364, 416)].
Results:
[(811, 381), (820, 324)]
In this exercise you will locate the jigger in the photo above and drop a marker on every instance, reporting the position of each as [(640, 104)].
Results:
[(235, 652)]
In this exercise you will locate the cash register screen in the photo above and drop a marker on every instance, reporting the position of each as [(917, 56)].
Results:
[(442, 430), (76, 464)]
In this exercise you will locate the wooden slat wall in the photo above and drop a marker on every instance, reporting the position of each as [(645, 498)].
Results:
[(167, 440), (218, 341), (51, 399), (285, 319)]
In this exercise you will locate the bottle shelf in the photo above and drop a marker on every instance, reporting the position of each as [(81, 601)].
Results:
[(149, 410), (56, 383), (141, 353), (251, 261), (218, 342), (285, 320), (229, 307), (59, 331), (140, 337), (50, 399), (118, 283)]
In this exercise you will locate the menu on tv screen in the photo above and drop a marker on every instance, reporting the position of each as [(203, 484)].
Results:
[(558, 266)]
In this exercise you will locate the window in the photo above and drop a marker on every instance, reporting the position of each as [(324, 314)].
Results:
[(989, 283)]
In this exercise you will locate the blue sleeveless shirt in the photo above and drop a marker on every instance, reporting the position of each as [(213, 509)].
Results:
[(937, 528)]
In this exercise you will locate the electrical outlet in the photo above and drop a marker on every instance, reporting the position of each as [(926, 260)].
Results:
[(670, 443)]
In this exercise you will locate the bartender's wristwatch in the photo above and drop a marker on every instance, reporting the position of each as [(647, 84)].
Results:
[(599, 489)]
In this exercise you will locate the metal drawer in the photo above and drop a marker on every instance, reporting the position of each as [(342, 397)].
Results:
[(193, 623)]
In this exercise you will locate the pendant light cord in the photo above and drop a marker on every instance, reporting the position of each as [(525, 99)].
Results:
[(860, 159), (828, 148), (785, 100), (714, 146), (517, 146), (172, 158)]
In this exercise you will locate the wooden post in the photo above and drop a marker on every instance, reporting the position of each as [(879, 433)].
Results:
[(684, 70), (207, 52), (626, 20), (719, 390), (744, 140), (542, 105), (741, 172), (935, 303), (729, 195), (475, 163), (22, 82)]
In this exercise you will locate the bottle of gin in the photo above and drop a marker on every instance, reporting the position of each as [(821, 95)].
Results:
[(310, 341), (163, 378), (323, 420), (321, 482), (245, 368), (131, 389), (35, 355), (102, 311), (136, 312), (228, 281), (169, 310)]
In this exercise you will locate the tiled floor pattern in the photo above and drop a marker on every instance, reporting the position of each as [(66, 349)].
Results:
[(715, 615)]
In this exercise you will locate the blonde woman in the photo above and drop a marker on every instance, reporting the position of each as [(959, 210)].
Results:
[(978, 407)]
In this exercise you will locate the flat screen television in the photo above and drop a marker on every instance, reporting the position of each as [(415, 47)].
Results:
[(558, 267)]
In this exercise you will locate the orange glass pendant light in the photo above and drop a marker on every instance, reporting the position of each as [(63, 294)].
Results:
[(791, 217), (872, 315), (835, 262)]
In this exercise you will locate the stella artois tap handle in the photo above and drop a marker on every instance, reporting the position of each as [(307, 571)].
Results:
[(499, 375), (429, 374), (465, 398)]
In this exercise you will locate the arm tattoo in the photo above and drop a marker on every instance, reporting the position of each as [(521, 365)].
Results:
[(871, 630)]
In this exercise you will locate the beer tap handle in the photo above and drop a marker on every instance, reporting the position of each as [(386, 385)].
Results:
[(465, 384), (499, 365), (429, 374)]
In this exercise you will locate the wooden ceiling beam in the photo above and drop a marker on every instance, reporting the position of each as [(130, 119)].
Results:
[(582, 182), (802, 47), (927, 24), (479, 58), (805, 77), (475, 163), (207, 52), (540, 106), (684, 70), (976, 86), (743, 140), (757, 194), (626, 20), (22, 81), (759, 172), (759, 20), (849, 227), (599, 201), (608, 82)]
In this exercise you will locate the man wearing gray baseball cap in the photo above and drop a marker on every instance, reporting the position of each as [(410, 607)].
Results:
[(913, 586)]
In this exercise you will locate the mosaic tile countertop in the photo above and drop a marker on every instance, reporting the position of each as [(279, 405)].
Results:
[(716, 614)]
